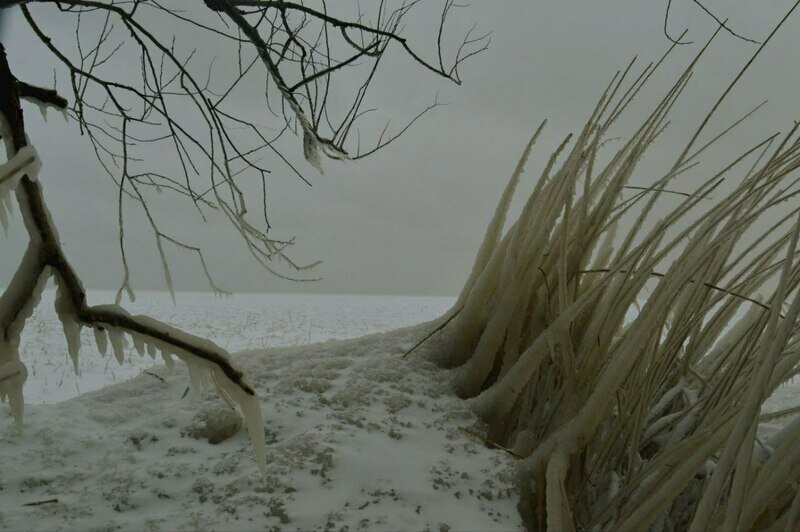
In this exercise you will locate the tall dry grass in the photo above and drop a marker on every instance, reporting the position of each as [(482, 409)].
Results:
[(649, 421)]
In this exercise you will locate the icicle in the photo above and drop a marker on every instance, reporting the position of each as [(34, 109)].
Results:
[(494, 231), (117, 339), (221, 391), (151, 350), (101, 339), (138, 343), (10, 334), (3, 216), (168, 360), (197, 374), (311, 150), (42, 108), (666, 399), (72, 329), (250, 406), (6, 208), (203, 373), (251, 410), (72, 333), (9, 204), (12, 377)]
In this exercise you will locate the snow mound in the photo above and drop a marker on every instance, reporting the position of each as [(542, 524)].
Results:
[(358, 438)]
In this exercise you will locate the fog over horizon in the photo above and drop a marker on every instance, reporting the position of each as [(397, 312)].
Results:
[(409, 219)]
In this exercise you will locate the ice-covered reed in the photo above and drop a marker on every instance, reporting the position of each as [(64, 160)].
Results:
[(650, 421)]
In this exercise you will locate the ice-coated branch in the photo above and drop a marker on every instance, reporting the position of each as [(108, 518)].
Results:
[(43, 95), (208, 363), (312, 142)]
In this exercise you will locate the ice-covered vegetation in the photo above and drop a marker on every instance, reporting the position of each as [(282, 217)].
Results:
[(649, 421), (620, 359)]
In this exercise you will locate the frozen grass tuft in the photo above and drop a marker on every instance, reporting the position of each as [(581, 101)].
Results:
[(628, 417)]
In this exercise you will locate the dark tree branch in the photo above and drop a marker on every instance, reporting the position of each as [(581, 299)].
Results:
[(666, 23), (48, 96), (722, 23)]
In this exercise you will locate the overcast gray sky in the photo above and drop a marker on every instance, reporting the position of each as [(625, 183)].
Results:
[(409, 219)]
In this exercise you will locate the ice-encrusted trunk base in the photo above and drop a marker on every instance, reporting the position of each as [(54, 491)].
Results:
[(626, 357)]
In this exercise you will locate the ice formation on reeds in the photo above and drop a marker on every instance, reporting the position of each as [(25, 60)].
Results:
[(643, 422)]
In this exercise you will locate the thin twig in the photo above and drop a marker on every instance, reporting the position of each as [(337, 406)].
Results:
[(723, 23), (157, 376), (664, 190), (491, 443), (706, 284), (770, 416), (39, 503), (437, 329)]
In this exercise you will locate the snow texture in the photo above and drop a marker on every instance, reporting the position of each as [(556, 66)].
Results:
[(358, 438)]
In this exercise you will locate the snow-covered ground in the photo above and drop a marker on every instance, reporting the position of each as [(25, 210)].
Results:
[(359, 438)]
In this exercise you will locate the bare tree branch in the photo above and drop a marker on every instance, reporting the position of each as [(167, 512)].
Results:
[(722, 23), (174, 101)]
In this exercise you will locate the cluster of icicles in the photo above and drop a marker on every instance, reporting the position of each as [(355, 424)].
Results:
[(203, 374)]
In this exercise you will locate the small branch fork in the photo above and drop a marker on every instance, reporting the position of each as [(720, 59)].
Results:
[(44, 251), (722, 23)]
